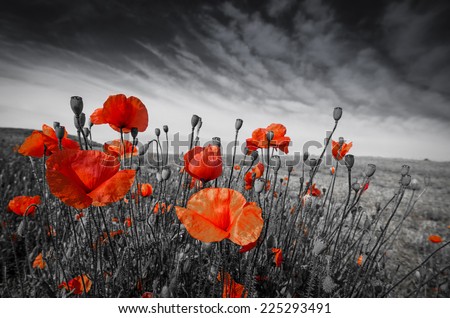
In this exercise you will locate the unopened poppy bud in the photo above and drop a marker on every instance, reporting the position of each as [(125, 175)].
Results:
[(56, 124), (356, 186), (271, 241), (79, 121), (255, 155), (269, 135), (166, 173), (370, 170), (414, 184), (216, 141), (305, 156), (76, 103), (337, 113), (349, 161), (238, 124), (405, 170), (60, 130), (194, 120), (341, 141), (276, 163), (406, 180), (259, 185), (166, 129), (157, 132), (134, 132), (159, 176), (86, 131)]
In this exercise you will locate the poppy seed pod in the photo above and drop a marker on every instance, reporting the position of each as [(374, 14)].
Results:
[(166, 173), (134, 132), (200, 124), (194, 120), (406, 180), (337, 113), (356, 186), (56, 124), (255, 155), (370, 170), (269, 135), (60, 130), (349, 161), (79, 121), (276, 163), (86, 131), (166, 129), (76, 103), (405, 170), (238, 124), (216, 141), (414, 184), (259, 185), (305, 156), (157, 132)]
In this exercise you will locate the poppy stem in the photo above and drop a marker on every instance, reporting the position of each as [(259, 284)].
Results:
[(109, 236), (234, 156)]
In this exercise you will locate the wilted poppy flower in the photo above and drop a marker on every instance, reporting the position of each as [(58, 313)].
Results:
[(84, 178), (231, 289), (34, 145), (145, 189), (39, 262), (20, 204), (435, 239), (258, 170), (76, 285), (315, 192), (215, 214), (279, 140), (122, 113), (278, 256), (117, 149), (204, 163), (248, 247), (339, 151)]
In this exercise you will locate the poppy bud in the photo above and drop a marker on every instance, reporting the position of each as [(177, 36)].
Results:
[(194, 120), (276, 163), (60, 130), (356, 186), (76, 103), (86, 131), (165, 293), (238, 124), (157, 132), (159, 176), (341, 141), (200, 124), (166, 173), (269, 135), (56, 124), (271, 241), (349, 161), (337, 113), (134, 132), (254, 155), (370, 170), (80, 121), (290, 168), (405, 170), (406, 180), (216, 141), (414, 184), (305, 156), (259, 185), (166, 129)]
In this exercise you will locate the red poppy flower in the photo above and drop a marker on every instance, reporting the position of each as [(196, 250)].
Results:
[(231, 289), (145, 189), (76, 285), (315, 192), (279, 141), (84, 178), (20, 204), (215, 214), (435, 239), (237, 167), (204, 163), (39, 262), (34, 145), (248, 247), (117, 149), (128, 222), (339, 151), (278, 256), (258, 170), (332, 170), (122, 113), (147, 295)]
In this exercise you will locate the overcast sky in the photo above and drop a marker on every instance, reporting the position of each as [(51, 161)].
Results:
[(386, 63)]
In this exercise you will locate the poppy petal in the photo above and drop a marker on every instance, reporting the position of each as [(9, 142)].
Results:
[(248, 225), (113, 189), (97, 117), (33, 145), (279, 130)]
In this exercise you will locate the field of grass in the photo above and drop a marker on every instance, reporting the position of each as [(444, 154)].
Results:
[(156, 254)]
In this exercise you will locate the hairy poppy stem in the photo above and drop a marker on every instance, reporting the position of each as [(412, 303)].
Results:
[(234, 155)]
